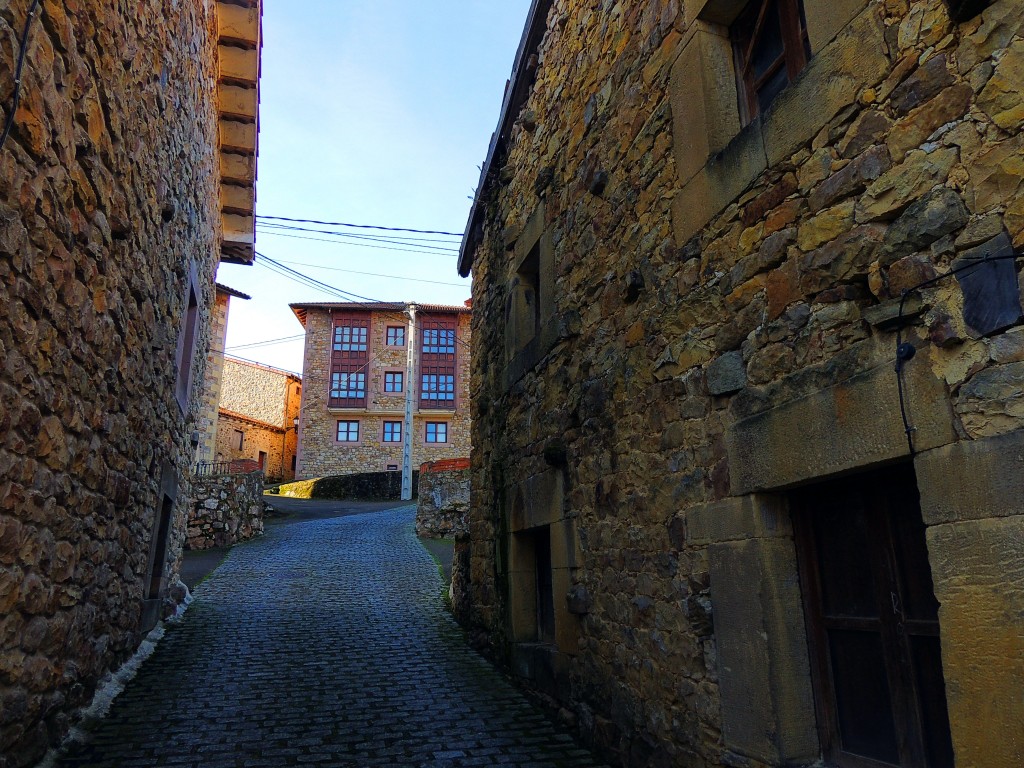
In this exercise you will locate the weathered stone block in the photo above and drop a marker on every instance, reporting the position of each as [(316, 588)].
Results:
[(935, 215), (831, 81), (972, 479), (754, 516), (853, 424), (1003, 96), (727, 373), (978, 573), (763, 669)]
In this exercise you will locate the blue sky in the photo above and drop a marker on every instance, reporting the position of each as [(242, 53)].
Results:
[(371, 112)]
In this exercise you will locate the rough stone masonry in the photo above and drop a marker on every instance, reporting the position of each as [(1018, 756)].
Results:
[(679, 317), (108, 213)]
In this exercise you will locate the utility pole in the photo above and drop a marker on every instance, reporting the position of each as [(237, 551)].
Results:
[(410, 393)]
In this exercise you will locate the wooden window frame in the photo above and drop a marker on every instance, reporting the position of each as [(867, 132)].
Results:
[(794, 57), (435, 425), (348, 431), (398, 330), (347, 401), (396, 437), (895, 626), (400, 382)]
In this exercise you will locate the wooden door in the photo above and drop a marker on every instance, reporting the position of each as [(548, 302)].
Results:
[(872, 622)]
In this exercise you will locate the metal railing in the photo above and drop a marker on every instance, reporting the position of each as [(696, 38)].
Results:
[(235, 467)]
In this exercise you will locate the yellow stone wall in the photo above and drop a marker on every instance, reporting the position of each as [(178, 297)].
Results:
[(723, 327), (268, 399)]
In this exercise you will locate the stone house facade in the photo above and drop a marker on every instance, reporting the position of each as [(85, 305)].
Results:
[(748, 415), (256, 420), (207, 421), (355, 369), (115, 208)]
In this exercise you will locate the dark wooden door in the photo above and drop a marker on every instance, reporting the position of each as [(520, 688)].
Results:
[(873, 622)]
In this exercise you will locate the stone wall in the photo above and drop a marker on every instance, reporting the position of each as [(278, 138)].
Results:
[(321, 455), (443, 506), (108, 206), (263, 403), (207, 419), (259, 391), (717, 324), (226, 510), (366, 486), (256, 437)]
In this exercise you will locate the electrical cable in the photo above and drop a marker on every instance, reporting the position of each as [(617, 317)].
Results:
[(267, 343), (303, 279), (370, 274), (354, 245), (905, 352), (414, 241), (9, 124), (361, 226)]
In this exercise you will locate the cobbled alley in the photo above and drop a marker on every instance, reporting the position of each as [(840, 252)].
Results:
[(323, 643)]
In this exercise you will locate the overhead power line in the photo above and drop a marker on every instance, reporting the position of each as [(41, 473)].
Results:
[(268, 342), (352, 245), (393, 239), (360, 226), (371, 274), (303, 279)]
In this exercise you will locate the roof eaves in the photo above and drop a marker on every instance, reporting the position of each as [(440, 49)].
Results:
[(516, 93)]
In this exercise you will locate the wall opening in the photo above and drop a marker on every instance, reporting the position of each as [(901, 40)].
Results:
[(872, 621)]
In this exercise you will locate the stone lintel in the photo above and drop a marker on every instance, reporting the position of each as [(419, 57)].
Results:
[(852, 425), (757, 516), (537, 501), (972, 479)]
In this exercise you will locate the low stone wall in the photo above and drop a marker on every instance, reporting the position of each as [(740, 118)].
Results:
[(364, 486), (443, 506), (226, 509)]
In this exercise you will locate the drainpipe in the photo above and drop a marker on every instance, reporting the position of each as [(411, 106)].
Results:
[(410, 391)]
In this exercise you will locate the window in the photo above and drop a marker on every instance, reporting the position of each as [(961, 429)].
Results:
[(348, 385), (392, 431), (186, 347), (350, 338), (437, 432), (873, 622), (395, 336), (348, 431), (350, 357), (439, 341), (771, 47), (393, 381), (262, 461), (239, 439), (437, 389)]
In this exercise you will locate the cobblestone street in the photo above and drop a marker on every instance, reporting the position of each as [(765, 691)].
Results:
[(323, 643)]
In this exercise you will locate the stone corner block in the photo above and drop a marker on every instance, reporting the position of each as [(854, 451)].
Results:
[(972, 479), (757, 516)]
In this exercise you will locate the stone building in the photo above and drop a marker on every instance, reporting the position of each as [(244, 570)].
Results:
[(127, 175), (214, 376), (355, 369), (747, 379), (257, 419)]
